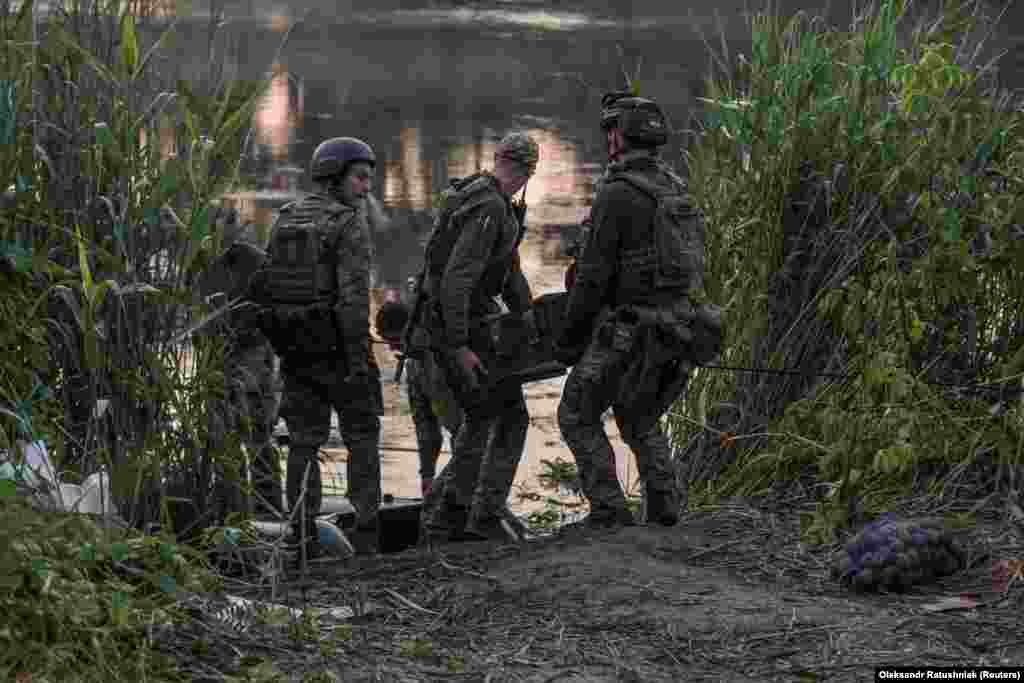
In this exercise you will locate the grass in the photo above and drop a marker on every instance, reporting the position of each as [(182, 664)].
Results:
[(862, 192), (862, 187)]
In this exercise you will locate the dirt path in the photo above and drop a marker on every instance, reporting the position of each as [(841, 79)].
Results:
[(728, 595)]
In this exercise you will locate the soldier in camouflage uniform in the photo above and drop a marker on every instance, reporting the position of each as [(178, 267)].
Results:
[(473, 257), (344, 376), (432, 405), (627, 316), (249, 408)]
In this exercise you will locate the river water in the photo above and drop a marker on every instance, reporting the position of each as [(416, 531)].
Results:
[(432, 87)]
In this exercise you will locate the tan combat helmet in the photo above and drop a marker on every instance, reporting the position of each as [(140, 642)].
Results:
[(520, 148)]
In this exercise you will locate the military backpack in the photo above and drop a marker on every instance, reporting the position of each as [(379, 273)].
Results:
[(678, 256), (297, 285)]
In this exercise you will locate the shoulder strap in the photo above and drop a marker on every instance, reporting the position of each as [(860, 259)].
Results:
[(642, 183)]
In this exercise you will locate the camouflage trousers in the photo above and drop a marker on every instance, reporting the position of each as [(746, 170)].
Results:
[(486, 451), (249, 413), (310, 393), (606, 376), (429, 414)]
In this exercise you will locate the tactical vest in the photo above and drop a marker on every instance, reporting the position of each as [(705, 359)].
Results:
[(674, 261), (462, 196), (297, 284)]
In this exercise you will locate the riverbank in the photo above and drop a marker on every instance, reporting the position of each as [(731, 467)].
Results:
[(730, 594)]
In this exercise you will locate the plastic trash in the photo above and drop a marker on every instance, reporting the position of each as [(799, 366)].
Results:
[(36, 471), (333, 539), (96, 498)]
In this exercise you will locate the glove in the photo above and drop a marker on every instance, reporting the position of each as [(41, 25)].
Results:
[(570, 276)]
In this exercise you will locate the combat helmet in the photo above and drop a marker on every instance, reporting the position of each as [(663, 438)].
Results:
[(520, 148), (641, 120), (333, 156)]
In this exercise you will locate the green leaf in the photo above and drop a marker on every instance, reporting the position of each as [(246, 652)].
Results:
[(169, 181), (103, 135), (8, 489), (129, 44), (951, 225), (97, 64), (83, 262), (152, 216), (200, 225), (167, 551), (119, 234), (118, 552), (156, 45), (87, 553), (168, 584), (8, 113), (40, 567)]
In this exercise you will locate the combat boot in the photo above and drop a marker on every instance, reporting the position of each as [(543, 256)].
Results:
[(495, 528), (601, 520), (447, 523), (663, 506)]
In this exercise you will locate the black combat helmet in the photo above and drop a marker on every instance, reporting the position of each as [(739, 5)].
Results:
[(333, 156), (641, 120)]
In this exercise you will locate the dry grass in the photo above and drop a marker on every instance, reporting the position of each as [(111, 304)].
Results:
[(709, 599)]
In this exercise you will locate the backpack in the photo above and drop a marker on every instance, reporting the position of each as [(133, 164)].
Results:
[(460, 197), (297, 284), (679, 257)]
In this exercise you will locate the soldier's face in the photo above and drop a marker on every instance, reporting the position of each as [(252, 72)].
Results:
[(357, 183)]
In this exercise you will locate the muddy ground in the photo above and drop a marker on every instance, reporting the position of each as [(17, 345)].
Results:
[(730, 594)]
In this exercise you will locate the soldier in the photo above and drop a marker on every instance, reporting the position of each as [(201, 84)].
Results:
[(636, 282), (471, 258), (249, 408), (315, 288), (433, 406)]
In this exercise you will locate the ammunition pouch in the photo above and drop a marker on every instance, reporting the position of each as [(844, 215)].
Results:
[(654, 346), (301, 331)]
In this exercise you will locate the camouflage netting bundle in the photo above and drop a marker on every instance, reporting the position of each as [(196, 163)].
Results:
[(894, 555)]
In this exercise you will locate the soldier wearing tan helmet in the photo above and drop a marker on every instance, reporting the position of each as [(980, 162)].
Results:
[(471, 258)]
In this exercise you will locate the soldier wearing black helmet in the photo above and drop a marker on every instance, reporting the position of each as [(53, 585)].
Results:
[(315, 284), (638, 274)]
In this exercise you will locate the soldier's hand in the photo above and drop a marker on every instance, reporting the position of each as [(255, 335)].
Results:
[(570, 276), (471, 366)]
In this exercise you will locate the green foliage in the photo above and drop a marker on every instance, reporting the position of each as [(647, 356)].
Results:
[(112, 178), (416, 647), (863, 194), (78, 599)]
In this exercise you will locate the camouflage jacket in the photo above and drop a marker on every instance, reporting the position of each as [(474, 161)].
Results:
[(474, 259), (622, 223)]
